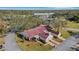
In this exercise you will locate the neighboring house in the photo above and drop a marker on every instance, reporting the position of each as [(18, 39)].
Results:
[(7, 17), (47, 14), (43, 33), (21, 16), (43, 16)]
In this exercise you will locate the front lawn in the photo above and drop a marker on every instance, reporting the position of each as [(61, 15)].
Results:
[(32, 45)]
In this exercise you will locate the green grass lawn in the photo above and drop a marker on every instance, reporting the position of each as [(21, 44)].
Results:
[(32, 45), (74, 32), (65, 34), (1, 40), (72, 24)]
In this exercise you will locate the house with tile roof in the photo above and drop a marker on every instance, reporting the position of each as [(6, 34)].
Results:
[(43, 33)]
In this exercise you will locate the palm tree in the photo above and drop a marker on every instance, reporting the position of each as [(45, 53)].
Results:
[(58, 24)]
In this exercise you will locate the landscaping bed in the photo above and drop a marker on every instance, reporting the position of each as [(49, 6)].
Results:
[(57, 39)]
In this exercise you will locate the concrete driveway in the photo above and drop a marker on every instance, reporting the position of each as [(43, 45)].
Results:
[(70, 42), (10, 43), (65, 46)]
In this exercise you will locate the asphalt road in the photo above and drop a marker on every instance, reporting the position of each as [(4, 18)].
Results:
[(10, 43), (65, 46)]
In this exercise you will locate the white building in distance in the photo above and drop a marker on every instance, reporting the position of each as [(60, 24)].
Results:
[(43, 15)]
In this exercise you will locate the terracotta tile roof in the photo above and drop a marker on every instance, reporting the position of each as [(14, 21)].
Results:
[(40, 30), (43, 35), (35, 31)]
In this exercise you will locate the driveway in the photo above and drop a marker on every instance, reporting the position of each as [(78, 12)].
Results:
[(70, 42), (65, 46), (71, 29), (10, 43)]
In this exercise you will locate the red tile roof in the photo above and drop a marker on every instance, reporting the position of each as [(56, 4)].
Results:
[(43, 35), (36, 31), (40, 30)]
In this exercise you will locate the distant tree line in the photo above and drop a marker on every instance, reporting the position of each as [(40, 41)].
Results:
[(73, 18)]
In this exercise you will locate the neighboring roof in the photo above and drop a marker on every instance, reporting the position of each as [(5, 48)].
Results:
[(43, 13)]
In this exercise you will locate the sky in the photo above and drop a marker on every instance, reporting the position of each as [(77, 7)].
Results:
[(39, 8), (39, 3)]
